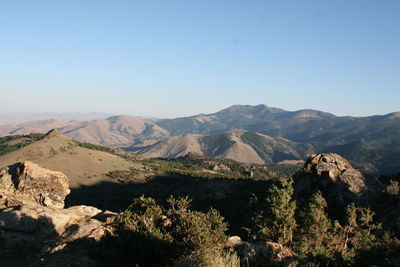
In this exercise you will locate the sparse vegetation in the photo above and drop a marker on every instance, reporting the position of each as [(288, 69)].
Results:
[(156, 231), (11, 143), (216, 144), (111, 150)]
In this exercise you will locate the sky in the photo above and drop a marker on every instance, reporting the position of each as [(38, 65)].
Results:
[(170, 58)]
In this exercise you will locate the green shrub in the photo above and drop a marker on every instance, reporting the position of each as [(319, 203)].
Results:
[(151, 235)]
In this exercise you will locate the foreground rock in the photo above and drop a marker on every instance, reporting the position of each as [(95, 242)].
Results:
[(268, 254), (28, 182), (340, 183), (33, 223)]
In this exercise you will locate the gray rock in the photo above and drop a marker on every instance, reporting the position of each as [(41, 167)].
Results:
[(29, 182), (340, 183)]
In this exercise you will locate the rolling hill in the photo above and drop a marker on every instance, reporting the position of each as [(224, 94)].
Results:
[(260, 118), (239, 145), (308, 126), (110, 178), (371, 143), (82, 165), (113, 131)]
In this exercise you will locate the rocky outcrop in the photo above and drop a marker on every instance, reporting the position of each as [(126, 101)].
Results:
[(333, 168), (30, 227), (339, 182), (28, 182), (262, 254), (33, 220)]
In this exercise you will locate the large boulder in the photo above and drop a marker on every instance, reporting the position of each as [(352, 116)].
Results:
[(43, 220), (28, 182), (32, 217), (332, 168), (29, 227), (330, 173)]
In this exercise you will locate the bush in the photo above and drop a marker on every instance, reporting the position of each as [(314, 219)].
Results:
[(214, 259), (393, 188), (150, 235)]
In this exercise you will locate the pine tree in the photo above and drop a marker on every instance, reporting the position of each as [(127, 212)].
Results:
[(274, 219), (316, 235), (358, 230)]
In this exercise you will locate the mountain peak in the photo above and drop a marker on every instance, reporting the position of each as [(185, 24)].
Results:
[(393, 115), (53, 133), (249, 108)]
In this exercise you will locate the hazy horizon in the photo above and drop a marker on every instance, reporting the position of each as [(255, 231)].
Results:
[(171, 59), (144, 116)]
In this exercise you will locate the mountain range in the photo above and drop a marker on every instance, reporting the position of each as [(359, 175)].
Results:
[(20, 117), (253, 134), (113, 131), (239, 145)]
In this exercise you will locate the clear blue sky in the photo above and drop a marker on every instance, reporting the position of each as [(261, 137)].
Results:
[(176, 58)]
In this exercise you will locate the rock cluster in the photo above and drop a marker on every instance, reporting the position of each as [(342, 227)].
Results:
[(32, 217), (339, 182)]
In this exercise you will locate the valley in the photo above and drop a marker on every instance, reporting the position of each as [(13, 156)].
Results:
[(259, 135)]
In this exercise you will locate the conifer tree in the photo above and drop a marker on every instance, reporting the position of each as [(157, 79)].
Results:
[(315, 237), (274, 219), (358, 231)]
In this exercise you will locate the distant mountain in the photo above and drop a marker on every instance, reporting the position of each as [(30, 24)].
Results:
[(32, 127), (20, 117), (113, 131), (310, 126), (239, 145), (260, 118), (372, 143)]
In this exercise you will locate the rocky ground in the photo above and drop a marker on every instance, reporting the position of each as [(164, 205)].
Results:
[(35, 229)]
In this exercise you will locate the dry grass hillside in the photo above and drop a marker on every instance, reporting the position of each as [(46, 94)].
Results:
[(241, 151), (113, 131), (239, 145), (171, 147), (57, 152)]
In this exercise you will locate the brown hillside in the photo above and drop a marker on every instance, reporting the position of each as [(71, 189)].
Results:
[(57, 152), (238, 145), (113, 131)]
